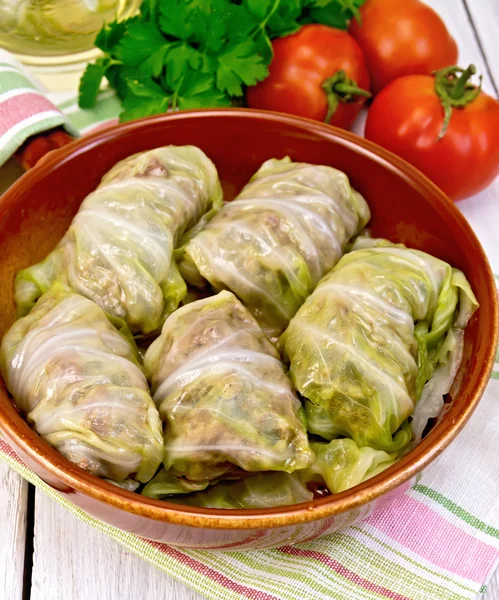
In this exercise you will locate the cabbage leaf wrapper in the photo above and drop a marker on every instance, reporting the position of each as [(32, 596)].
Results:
[(381, 334), (287, 228), (78, 381), (339, 465), (119, 249), (261, 490), (165, 484), (226, 402)]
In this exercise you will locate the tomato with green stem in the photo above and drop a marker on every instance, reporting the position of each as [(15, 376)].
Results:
[(402, 37), (442, 124), (318, 72)]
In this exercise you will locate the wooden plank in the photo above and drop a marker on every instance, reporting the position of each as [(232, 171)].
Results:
[(13, 510), (484, 16), (492, 591), (72, 561)]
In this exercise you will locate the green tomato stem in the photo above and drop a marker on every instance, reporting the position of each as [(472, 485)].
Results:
[(453, 87), (339, 88), (458, 90), (332, 105), (346, 89)]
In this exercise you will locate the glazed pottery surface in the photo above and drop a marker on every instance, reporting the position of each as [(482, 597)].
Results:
[(406, 207)]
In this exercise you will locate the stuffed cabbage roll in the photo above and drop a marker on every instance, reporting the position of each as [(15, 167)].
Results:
[(227, 404), (382, 331), (77, 380), (270, 246), (119, 249)]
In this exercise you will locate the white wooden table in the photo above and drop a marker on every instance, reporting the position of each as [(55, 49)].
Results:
[(47, 554)]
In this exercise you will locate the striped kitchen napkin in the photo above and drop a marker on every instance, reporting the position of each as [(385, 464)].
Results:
[(438, 541), (25, 110)]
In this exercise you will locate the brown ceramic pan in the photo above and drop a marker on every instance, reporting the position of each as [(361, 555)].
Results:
[(406, 207)]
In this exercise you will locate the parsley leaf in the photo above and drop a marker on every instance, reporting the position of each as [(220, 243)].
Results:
[(110, 35), (286, 18), (241, 24), (153, 65), (239, 64), (149, 10), (174, 19), (335, 13), (140, 41), (180, 57), (210, 24), (90, 83), (146, 108), (197, 91), (144, 98), (326, 15), (260, 8), (145, 87), (118, 76)]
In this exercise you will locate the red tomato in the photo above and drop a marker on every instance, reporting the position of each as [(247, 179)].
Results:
[(402, 37), (408, 117), (316, 69)]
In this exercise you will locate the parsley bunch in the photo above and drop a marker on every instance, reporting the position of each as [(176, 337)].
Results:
[(179, 54)]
